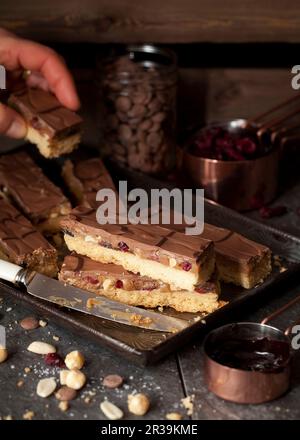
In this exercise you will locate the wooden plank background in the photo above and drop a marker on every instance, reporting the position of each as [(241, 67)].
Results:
[(182, 21)]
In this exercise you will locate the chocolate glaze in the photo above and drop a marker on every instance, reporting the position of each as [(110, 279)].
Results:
[(18, 237), (30, 189), (233, 245), (44, 112), (88, 176), (230, 245), (144, 239)]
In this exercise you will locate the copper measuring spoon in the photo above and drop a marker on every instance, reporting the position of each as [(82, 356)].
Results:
[(238, 376)]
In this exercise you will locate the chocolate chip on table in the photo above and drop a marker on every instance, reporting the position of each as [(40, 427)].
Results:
[(113, 381), (65, 394), (29, 323)]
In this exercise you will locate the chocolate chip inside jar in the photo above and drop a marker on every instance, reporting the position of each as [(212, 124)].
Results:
[(138, 92)]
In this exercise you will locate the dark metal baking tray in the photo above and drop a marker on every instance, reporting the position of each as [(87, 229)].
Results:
[(146, 346)]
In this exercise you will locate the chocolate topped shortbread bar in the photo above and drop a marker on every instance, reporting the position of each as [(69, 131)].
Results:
[(239, 260), (54, 129), (114, 282), (26, 185), (154, 251), (85, 178), (22, 244)]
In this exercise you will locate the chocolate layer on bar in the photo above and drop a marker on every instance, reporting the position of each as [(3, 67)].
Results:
[(22, 244), (23, 181), (114, 282), (54, 129), (85, 178), (45, 113), (151, 250)]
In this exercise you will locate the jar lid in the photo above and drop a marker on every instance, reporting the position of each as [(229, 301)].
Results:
[(151, 56)]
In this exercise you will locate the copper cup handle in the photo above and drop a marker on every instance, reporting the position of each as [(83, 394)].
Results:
[(279, 311)]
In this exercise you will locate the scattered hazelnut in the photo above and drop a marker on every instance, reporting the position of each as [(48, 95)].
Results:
[(138, 404), (75, 379), (74, 360), (63, 376), (42, 323), (3, 354)]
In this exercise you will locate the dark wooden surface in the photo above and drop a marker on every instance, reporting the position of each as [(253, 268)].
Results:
[(154, 21)]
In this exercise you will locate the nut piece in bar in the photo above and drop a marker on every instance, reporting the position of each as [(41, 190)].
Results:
[(22, 244), (85, 178), (114, 282), (239, 260), (54, 129), (36, 196), (149, 250)]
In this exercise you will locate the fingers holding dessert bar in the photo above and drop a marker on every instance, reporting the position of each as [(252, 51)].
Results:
[(53, 128)]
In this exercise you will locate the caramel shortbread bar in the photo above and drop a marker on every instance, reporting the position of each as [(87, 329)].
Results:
[(239, 260), (39, 199), (22, 244), (114, 282), (149, 250), (85, 178), (54, 129)]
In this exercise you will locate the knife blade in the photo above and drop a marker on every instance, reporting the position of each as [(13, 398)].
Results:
[(83, 301)]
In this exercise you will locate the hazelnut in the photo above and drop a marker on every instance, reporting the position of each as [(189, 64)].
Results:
[(138, 404), (75, 379), (3, 354), (75, 359)]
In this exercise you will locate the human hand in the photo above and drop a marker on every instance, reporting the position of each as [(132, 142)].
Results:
[(48, 71)]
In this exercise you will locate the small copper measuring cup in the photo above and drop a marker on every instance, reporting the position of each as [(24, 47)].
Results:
[(256, 385), (246, 184)]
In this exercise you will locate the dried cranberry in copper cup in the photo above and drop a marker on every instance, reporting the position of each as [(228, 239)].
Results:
[(241, 184)]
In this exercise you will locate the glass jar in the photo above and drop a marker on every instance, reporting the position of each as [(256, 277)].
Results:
[(138, 99)]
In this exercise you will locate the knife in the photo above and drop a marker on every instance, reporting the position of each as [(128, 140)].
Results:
[(74, 298)]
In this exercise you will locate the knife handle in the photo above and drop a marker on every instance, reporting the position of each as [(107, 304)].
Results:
[(9, 271)]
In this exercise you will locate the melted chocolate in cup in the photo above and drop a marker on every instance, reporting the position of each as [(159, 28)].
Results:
[(261, 354), (247, 362)]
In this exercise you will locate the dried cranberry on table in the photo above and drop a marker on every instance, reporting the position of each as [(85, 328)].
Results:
[(54, 360), (268, 212)]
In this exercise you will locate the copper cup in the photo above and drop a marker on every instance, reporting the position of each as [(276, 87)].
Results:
[(246, 385), (240, 185)]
